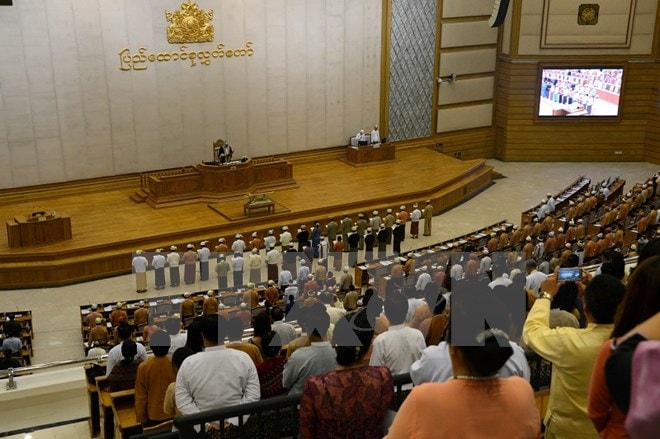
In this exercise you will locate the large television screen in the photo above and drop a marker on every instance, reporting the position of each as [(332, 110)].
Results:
[(580, 92)]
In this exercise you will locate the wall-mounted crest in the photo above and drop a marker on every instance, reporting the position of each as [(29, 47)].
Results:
[(588, 14), (190, 25)]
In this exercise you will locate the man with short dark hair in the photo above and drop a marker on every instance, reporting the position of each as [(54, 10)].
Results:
[(572, 352), (235, 338), (285, 331), (201, 385), (237, 266), (400, 346), (153, 377), (534, 277), (177, 338), (124, 332), (316, 359)]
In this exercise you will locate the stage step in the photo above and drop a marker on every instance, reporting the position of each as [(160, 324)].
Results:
[(139, 196)]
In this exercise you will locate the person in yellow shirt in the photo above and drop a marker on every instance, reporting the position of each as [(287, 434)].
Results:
[(572, 352)]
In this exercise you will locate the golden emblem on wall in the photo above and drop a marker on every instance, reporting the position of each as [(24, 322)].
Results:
[(588, 14), (190, 25)]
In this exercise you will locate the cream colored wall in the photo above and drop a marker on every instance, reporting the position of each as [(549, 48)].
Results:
[(468, 49), (611, 29), (68, 112)]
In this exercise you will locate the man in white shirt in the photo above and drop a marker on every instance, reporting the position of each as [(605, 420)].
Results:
[(303, 273), (237, 265), (456, 271), (217, 377), (124, 332), (375, 135), (203, 255), (400, 346), (285, 331), (316, 359), (423, 279), (158, 262), (284, 279), (140, 265), (551, 203), (173, 259), (269, 239), (177, 338), (285, 238), (414, 302), (435, 365), (485, 263), (534, 277), (238, 246), (272, 259), (502, 280), (334, 313)]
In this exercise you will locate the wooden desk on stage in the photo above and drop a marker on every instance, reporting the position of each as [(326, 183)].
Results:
[(213, 182), (368, 154), (25, 232), (249, 207)]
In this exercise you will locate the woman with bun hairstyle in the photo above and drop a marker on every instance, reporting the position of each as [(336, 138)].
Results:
[(476, 402)]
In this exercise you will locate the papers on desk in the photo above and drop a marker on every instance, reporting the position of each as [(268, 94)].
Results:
[(108, 308), (152, 304), (84, 312), (176, 301), (417, 255), (362, 267), (385, 263)]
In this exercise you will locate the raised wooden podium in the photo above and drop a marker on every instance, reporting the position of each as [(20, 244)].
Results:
[(361, 155), (211, 181), (38, 228)]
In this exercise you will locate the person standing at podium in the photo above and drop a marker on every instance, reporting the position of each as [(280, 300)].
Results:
[(189, 260), (173, 259), (140, 265), (375, 135)]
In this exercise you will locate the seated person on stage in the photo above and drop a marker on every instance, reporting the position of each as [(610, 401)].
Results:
[(361, 138), (225, 153)]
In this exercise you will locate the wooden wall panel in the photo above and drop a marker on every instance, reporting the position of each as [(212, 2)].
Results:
[(523, 138), (652, 150)]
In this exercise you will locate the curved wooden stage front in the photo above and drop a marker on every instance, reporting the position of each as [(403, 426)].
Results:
[(108, 226)]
